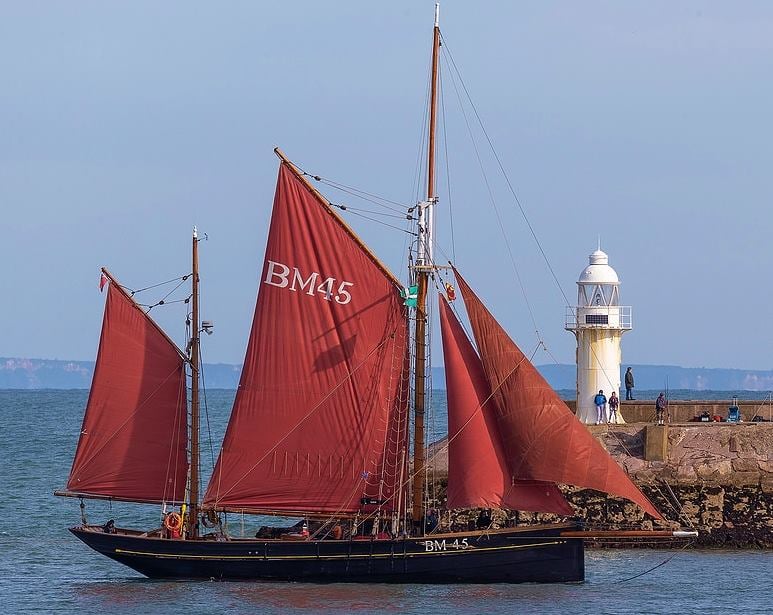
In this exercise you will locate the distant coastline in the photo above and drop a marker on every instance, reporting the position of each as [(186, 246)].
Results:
[(31, 374)]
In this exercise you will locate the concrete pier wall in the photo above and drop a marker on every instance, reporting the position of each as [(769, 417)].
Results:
[(685, 411), (715, 477)]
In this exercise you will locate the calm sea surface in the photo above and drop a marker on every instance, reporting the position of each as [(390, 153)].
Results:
[(44, 569)]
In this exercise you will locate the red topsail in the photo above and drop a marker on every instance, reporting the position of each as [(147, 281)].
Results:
[(478, 472), (543, 440), (319, 420), (134, 435)]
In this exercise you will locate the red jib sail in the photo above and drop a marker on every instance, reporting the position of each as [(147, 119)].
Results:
[(319, 420), (478, 472), (134, 435), (543, 440)]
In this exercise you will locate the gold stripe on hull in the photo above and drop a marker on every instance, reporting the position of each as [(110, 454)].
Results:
[(396, 554)]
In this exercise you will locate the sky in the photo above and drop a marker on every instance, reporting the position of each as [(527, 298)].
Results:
[(645, 126)]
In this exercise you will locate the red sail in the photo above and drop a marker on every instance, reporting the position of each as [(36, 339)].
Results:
[(542, 438), (319, 420), (134, 435), (478, 473)]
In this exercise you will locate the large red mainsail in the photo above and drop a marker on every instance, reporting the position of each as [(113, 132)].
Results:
[(478, 472), (543, 440), (319, 423), (134, 435)]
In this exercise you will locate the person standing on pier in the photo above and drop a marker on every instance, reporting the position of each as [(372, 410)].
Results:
[(628, 384), (614, 402), (601, 407), (660, 408)]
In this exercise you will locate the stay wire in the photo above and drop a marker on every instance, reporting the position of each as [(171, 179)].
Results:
[(505, 175), (672, 502), (133, 292), (431, 457), (206, 407), (345, 207), (448, 167), (162, 301), (421, 169), (677, 505), (495, 208), (365, 196), (382, 223), (358, 212), (540, 342), (357, 192)]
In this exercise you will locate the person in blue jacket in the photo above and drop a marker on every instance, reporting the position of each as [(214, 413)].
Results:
[(601, 407)]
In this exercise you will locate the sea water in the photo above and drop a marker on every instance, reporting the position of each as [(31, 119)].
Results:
[(44, 569)]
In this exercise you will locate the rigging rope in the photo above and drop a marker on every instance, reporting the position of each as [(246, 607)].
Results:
[(494, 206), (448, 168), (387, 337), (680, 509), (504, 174), (179, 416), (674, 503), (663, 563), (515, 197), (362, 194), (420, 169), (344, 207), (164, 298), (401, 211), (139, 290), (206, 407), (354, 212), (139, 406), (400, 208)]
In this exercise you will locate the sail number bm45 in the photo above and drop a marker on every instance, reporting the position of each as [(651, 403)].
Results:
[(446, 545), (278, 274)]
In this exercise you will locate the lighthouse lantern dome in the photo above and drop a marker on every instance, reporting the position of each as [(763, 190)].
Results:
[(598, 270), (598, 283)]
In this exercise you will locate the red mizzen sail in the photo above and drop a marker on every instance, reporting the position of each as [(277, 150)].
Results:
[(543, 440), (134, 435), (319, 421), (478, 473)]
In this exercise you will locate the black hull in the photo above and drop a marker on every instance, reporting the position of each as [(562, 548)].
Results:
[(516, 555)]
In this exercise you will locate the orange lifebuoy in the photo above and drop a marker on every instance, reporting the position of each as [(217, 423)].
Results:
[(173, 522)]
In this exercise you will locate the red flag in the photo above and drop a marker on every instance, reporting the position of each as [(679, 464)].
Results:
[(102, 282), (450, 292)]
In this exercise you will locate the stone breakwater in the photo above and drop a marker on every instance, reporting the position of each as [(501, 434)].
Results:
[(716, 478), (686, 411)]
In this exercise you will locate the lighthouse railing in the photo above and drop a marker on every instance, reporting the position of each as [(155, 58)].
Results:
[(599, 317)]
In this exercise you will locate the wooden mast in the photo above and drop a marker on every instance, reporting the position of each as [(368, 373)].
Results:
[(423, 269), (193, 510)]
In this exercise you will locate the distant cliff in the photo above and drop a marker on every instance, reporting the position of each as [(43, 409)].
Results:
[(55, 374), (16, 373), (661, 377)]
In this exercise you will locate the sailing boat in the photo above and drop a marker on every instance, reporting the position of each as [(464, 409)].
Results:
[(320, 425)]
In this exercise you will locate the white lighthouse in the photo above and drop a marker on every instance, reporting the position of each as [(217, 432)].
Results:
[(598, 322)]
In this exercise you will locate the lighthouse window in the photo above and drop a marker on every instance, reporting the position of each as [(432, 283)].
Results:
[(597, 319)]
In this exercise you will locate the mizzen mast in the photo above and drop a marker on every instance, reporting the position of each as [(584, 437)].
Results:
[(423, 268), (193, 510)]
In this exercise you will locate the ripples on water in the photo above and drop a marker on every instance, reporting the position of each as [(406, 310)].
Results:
[(46, 570)]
